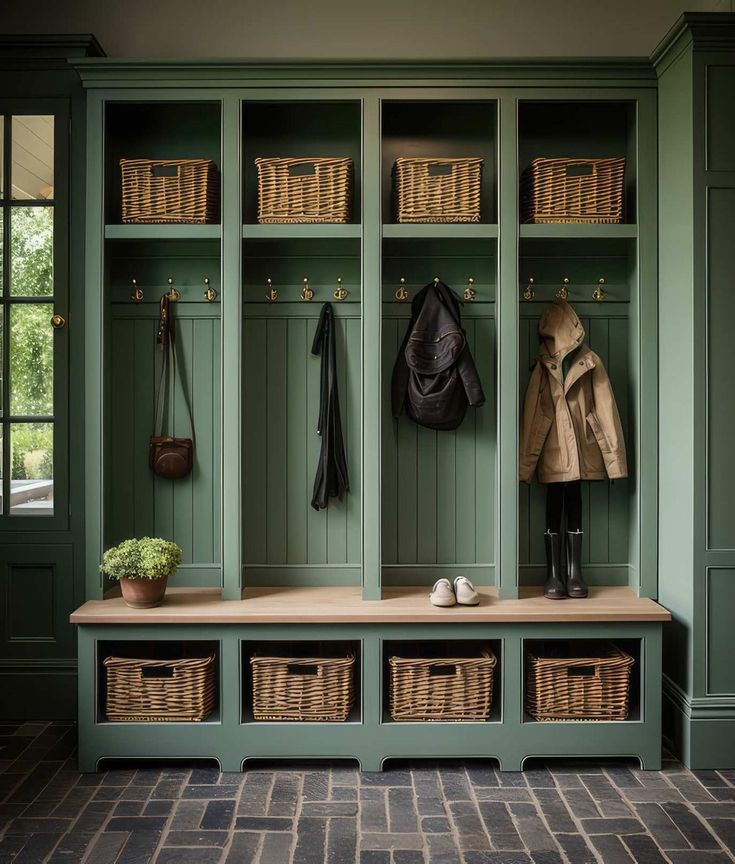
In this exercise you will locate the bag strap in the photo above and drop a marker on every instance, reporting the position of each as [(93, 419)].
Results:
[(167, 341)]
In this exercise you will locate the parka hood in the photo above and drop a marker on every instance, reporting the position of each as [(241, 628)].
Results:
[(560, 329)]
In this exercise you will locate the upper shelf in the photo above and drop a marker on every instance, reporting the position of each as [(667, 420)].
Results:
[(579, 231), (321, 230), (449, 230), (162, 232)]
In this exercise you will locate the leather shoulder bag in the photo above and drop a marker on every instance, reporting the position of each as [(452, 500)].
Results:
[(169, 457)]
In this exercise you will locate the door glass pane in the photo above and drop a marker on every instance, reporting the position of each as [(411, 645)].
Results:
[(32, 469), (31, 360), (32, 171), (32, 251)]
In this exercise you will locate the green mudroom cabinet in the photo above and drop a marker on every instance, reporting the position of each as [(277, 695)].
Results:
[(260, 565)]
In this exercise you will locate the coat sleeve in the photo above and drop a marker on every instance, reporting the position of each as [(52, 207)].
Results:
[(535, 426), (607, 426), (470, 379)]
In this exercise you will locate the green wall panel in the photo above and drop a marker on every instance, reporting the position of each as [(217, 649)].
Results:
[(139, 503), (720, 118), (281, 530), (720, 605), (439, 487), (720, 402), (605, 505)]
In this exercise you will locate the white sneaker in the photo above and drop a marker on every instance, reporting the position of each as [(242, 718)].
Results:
[(465, 592), (442, 594)]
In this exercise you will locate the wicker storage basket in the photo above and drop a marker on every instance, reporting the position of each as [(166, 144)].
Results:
[(169, 190), (303, 688), (437, 190), (573, 190), (148, 691), (302, 190), (454, 688), (578, 681)]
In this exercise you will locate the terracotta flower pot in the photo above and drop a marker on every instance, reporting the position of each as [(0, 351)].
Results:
[(143, 593)]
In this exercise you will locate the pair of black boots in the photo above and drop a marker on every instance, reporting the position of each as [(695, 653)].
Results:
[(560, 585)]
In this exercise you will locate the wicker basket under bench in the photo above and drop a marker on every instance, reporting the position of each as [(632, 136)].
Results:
[(442, 689), (160, 691), (578, 681), (305, 689)]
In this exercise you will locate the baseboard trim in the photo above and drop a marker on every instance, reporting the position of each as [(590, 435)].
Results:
[(700, 730)]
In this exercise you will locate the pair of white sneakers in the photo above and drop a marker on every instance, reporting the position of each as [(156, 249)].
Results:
[(444, 593)]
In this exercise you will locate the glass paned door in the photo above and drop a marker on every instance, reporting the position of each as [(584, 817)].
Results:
[(28, 394)]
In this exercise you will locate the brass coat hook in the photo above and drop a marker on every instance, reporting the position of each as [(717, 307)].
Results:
[(173, 294), (210, 294), (563, 292), (401, 294), (529, 293), (469, 292), (340, 293), (306, 292), (598, 294), (437, 280), (137, 294), (272, 293)]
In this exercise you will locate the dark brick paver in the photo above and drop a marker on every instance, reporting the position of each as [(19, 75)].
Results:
[(572, 812)]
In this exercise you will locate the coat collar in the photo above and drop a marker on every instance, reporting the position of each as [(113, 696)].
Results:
[(584, 360)]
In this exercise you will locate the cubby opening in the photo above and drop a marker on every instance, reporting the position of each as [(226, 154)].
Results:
[(610, 541), (285, 540), (438, 487), (139, 503), (293, 700), (440, 129), (160, 649), (156, 130), (443, 650), (581, 129), (323, 128), (589, 648)]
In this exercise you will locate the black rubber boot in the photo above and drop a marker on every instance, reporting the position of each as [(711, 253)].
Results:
[(575, 584), (554, 587)]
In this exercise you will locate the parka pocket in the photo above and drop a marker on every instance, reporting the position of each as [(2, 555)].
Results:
[(539, 431), (600, 436)]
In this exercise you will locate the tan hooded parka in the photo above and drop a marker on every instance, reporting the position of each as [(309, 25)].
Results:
[(571, 427)]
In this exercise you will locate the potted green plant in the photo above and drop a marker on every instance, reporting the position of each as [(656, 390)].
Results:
[(142, 567)]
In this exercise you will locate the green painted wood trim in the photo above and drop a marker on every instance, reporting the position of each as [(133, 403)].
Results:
[(263, 575), (49, 46), (279, 232), (231, 350), (591, 232), (439, 232), (506, 509), (708, 31), (163, 232), (94, 349), (372, 382)]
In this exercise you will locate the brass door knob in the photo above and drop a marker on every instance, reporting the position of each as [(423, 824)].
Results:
[(58, 321)]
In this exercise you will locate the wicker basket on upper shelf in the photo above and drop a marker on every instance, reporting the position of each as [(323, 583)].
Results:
[(307, 689), (566, 191), (303, 190), (160, 691), (578, 681), (181, 191), (442, 689), (437, 190)]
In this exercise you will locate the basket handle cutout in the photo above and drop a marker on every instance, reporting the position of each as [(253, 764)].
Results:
[(442, 671), (157, 671), (301, 169), (441, 168), (164, 170), (581, 169), (582, 671), (297, 669)]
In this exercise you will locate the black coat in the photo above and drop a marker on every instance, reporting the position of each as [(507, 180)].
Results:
[(434, 376)]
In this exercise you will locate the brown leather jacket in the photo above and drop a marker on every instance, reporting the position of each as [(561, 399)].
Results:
[(571, 427)]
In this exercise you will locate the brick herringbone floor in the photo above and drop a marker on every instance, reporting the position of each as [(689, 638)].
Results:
[(422, 813)]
